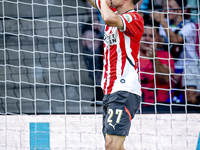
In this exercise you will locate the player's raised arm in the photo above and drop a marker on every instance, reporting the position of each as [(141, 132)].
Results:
[(108, 16)]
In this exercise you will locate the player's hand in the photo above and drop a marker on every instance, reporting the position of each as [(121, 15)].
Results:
[(108, 2)]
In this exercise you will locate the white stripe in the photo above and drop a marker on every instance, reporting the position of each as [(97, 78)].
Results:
[(119, 58), (103, 78), (124, 29), (108, 62), (108, 72), (119, 63), (128, 48), (97, 4)]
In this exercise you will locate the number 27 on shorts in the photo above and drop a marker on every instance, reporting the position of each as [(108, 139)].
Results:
[(111, 113)]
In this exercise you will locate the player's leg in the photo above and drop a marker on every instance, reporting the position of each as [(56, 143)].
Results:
[(114, 142), (116, 126)]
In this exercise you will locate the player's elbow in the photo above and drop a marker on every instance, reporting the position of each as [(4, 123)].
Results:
[(109, 20)]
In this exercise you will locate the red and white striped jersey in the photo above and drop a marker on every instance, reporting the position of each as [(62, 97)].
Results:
[(121, 53)]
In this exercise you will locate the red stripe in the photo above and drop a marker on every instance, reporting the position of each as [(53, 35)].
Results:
[(113, 67), (106, 28), (136, 66), (99, 3), (135, 50), (123, 50), (110, 30), (128, 112)]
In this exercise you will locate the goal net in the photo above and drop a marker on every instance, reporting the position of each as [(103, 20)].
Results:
[(51, 61)]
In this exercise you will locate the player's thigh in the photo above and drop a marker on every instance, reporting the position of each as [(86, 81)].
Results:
[(117, 120), (114, 141)]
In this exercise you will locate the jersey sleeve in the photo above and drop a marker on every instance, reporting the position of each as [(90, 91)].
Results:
[(133, 23)]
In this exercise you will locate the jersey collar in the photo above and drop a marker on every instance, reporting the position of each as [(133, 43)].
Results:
[(131, 10)]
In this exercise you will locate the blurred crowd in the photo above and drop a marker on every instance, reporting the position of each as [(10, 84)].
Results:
[(169, 64)]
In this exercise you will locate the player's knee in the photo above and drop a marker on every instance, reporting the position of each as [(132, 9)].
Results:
[(110, 145)]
